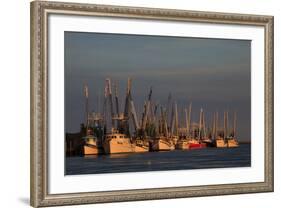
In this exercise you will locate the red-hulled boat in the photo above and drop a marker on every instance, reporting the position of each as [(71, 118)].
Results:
[(195, 144)]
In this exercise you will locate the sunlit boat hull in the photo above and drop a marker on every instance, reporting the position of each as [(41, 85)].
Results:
[(160, 144), (141, 146), (232, 143)]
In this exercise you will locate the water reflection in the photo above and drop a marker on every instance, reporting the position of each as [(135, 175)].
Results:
[(119, 155), (156, 161)]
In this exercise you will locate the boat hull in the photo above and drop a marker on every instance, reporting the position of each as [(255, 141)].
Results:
[(162, 145), (92, 150), (182, 145), (208, 142), (232, 143), (141, 148), (197, 145), (92, 146), (220, 143), (118, 146), (141, 145)]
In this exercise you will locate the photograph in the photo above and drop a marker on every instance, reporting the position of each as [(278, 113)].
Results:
[(138, 103)]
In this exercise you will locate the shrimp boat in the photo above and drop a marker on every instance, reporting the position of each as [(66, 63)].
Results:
[(232, 142), (220, 142), (117, 143), (92, 143), (92, 146), (192, 138), (166, 137), (195, 144), (219, 136), (93, 139), (227, 140), (190, 143), (208, 142), (182, 144), (141, 145), (161, 143)]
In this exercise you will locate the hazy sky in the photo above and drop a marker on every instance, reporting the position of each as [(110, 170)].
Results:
[(214, 74)]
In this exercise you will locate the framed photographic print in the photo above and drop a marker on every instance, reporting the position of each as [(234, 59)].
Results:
[(142, 103)]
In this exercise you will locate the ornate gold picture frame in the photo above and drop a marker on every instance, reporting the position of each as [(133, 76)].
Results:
[(40, 195)]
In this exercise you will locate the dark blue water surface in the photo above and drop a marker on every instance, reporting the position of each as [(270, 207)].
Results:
[(157, 161)]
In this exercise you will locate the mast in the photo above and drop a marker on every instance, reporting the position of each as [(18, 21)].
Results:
[(116, 100), (109, 91), (217, 124), (117, 117), (189, 118), (127, 106), (224, 124), (134, 115), (186, 122), (104, 109), (155, 112), (126, 110), (214, 130), (156, 123), (165, 119), (172, 123), (146, 110), (200, 123), (234, 124), (98, 106), (169, 108), (86, 94), (204, 124), (176, 120), (163, 122), (150, 113)]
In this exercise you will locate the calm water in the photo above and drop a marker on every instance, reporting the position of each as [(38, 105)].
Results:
[(157, 161)]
